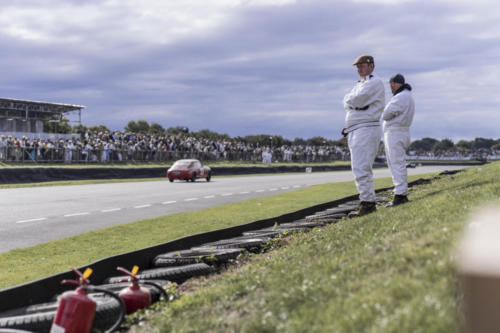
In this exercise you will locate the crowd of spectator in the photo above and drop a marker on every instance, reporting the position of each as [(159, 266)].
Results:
[(116, 146)]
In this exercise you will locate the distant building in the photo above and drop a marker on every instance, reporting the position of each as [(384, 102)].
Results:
[(25, 118)]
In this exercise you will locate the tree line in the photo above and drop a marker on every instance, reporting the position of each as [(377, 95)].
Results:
[(143, 127), (433, 145)]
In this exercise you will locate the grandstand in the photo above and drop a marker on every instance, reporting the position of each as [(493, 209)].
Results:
[(25, 118)]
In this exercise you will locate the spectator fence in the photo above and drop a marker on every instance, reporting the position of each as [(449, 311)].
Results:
[(14, 154)]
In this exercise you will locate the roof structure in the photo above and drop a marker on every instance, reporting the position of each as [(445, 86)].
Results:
[(34, 109), (27, 118)]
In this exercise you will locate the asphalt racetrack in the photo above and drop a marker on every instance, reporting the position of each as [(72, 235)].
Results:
[(30, 216)]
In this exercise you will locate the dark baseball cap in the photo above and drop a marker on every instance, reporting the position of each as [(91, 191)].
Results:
[(397, 78)]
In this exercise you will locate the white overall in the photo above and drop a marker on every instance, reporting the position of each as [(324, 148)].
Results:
[(364, 105)]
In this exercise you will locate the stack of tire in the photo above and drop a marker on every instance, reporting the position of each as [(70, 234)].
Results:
[(176, 266), (332, 215)]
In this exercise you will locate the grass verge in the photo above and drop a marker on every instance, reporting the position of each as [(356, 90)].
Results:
[(81, 182), (391, 271)]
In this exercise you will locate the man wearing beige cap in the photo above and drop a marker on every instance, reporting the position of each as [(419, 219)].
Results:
[(364, 105)]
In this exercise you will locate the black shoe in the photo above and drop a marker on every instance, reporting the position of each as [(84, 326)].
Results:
[(398, 200), (365, 207)]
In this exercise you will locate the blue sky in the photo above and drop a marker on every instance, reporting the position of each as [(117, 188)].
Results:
[(243, 67)]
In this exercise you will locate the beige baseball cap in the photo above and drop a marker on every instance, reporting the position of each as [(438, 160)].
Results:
[(367, 59)]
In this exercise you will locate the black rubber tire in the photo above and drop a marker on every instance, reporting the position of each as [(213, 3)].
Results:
[(39, 317), (177, 274), (353, 203), (262, 233), (209, 176), (284, 229), (238, 242), (326, 219), (193, 177), (33, 322), (196, 255), (330, 215), (171, 180), (381, 197), (301, 224), (318, 216), (155, 293), (107, 312), (340, 210)]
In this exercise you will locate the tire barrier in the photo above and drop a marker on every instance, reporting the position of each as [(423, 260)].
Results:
[(301, 224), (249, 244), (34, 175), (267, 233), (177, 274), (196, 255), (32, 306)]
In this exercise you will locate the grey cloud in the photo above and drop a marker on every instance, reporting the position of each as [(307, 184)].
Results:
[(263, 63)]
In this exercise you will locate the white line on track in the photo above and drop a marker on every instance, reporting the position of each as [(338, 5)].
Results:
[(226, 194), (77, 214), (209, 196), (258, 191), (168, 202), (296, 186), (245, 192), (32, 220), (110, 210), (273, 189), (285, 187), (142, 206), (191, 199)]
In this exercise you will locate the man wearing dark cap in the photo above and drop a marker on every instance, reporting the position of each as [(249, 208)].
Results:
[(398, 116), (364, 105)]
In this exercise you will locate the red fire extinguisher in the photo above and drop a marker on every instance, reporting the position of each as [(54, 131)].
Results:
[(134, 296), (75, 312)]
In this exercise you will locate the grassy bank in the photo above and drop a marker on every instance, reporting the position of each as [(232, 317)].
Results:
[(391, 271)]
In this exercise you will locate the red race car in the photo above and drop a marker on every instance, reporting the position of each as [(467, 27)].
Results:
[(188, 170)]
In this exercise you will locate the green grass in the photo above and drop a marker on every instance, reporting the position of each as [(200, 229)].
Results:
[(22, 265), (391, 271)]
